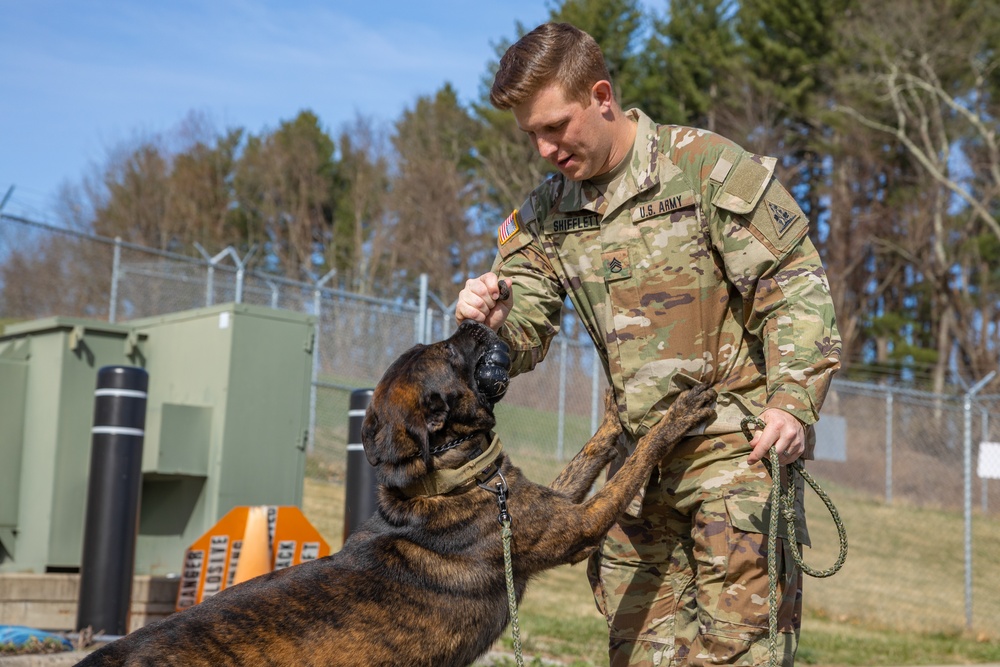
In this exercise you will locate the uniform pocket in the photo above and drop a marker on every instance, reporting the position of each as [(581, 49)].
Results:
[(733, 580)]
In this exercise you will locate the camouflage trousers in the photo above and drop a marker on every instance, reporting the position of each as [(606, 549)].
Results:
[(686, 582)]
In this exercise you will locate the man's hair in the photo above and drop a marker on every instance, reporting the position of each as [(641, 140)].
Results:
[(551, 52)]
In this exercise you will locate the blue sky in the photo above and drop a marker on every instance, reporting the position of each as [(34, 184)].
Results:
[(79, 78)]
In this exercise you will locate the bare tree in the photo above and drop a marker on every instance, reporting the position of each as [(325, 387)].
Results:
[(930, 76), (362, 249), (507, 163), (434, 192), (284, 186)]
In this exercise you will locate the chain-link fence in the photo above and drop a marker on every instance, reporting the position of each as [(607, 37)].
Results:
[(906, 465)]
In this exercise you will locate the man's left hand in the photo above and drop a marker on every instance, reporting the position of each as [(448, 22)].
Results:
[(781, 431)]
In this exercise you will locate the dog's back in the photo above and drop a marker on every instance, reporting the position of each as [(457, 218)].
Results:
[(345, 609)]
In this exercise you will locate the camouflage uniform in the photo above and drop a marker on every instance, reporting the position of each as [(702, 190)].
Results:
[(693, 265)]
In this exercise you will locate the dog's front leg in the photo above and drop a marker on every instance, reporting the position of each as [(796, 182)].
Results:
[(571, 531), (578, 477)]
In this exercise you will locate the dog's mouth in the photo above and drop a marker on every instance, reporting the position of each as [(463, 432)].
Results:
[(493, 366), (493, 371)]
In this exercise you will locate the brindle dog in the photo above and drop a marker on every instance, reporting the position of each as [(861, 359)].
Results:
[(422, 582)]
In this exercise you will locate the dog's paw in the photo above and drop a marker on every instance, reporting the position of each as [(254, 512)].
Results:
[(692, 407), (691, 404)]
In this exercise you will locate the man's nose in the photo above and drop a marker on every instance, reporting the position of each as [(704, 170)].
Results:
[(546, 148)]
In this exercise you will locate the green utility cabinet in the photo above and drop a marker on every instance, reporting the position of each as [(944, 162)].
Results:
[(226, 425), (48, 372)]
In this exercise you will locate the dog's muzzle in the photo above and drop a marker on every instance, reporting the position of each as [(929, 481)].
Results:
[(493, 372)]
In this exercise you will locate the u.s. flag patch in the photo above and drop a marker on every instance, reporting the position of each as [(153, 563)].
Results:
[(510, 226)]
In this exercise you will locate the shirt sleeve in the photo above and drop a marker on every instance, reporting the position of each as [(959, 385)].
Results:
[(538, 297), (762, 236)]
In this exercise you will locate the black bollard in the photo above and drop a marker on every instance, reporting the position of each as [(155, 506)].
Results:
[(112, 519), (360, 497)]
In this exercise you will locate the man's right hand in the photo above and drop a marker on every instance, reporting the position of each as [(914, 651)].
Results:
[(480, 301)]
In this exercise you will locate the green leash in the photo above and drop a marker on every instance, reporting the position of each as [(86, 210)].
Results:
[(783, 501), (515, 630), (508, 566)]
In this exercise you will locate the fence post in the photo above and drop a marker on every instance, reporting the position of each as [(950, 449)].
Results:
[(595, 390), (240, 271), (209, 274), (317, 347), (984, 435), (275, 293), (422, 313), (561, 437), (241, 268), (967, 468), (888, 448), (115, 268)]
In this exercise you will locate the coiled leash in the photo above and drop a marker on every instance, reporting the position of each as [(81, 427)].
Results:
[(508, 567), (784, 502)]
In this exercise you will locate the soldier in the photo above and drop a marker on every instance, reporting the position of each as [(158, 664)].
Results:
[(687, 262)]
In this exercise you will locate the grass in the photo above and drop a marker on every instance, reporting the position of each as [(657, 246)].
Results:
[(33, 646), (899, 600)]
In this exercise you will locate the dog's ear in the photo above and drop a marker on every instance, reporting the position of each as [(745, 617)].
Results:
[(390, 436), (435, 412), (369, 433)]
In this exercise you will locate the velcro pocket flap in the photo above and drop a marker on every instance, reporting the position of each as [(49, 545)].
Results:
[(745, 184)]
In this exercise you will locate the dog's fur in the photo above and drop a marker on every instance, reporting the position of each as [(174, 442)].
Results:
[(422, 582)]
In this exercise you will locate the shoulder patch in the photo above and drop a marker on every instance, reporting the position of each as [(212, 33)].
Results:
[(777, 220), (783, 218), (509, 227)]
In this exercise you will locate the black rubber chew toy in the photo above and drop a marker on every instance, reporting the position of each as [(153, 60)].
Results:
[(492, 373), (504, 290)]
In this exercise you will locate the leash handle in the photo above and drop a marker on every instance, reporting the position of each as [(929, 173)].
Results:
[(784, 502)]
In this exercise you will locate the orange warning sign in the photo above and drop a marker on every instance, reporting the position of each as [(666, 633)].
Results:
[(245, 543)]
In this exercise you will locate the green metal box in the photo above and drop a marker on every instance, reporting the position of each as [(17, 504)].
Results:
[(226, 425), (48, 374)]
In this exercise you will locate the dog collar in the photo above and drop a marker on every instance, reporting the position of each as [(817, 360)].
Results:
[(450, 445), (443, 481)]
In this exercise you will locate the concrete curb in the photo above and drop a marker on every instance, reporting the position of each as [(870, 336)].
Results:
[(65, 659)]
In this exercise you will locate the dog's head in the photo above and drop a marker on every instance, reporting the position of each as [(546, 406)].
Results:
[(431, 395)]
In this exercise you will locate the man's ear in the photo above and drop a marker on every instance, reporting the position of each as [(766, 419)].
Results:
[(603, 94)]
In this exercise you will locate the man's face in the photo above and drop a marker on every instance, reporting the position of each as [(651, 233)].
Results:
[(575, 138)]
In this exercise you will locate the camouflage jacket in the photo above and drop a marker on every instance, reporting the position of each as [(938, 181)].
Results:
[(695, 267)]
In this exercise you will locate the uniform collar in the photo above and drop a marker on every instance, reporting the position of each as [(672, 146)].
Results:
[(641, 175)]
